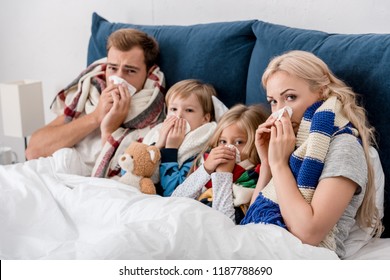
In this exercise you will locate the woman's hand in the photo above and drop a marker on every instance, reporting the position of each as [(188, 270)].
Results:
[(282, 141), (116, 115), (262, 138), (176, 135), (167, 125), (221, 159)]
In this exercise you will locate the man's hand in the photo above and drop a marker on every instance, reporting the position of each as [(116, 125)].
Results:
[(116, 115), (105, 103)]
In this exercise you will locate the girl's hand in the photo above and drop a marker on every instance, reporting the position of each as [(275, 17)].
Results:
[(282, 142), (167, 125), (116, 115), (176, 135), (220, 156), (229, 165)]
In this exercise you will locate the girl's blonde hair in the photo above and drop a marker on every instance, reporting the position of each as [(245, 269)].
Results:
[(203, 91), (316, 73), (247, 118)]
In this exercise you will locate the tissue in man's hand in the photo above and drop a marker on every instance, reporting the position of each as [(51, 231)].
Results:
[(118, 80), (238, 157), (278, 114), (188, 127)]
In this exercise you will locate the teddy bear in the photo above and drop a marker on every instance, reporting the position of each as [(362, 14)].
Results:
[(139, 161)]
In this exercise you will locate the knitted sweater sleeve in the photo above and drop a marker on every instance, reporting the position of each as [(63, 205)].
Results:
[(223, 193), (193, 184)]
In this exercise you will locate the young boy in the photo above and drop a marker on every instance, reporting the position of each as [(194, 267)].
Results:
[(189, 124)]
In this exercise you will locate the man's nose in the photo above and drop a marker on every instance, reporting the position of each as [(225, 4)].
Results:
[(120, 73)]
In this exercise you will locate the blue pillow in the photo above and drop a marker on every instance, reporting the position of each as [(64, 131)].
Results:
[(216, 53), (361, 60)]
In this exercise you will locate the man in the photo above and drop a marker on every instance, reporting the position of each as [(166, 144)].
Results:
[(132, 56)]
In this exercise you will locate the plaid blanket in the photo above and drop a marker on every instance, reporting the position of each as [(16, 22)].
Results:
[(81, 97)]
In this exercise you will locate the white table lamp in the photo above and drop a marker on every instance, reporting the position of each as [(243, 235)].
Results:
[(22, 108)]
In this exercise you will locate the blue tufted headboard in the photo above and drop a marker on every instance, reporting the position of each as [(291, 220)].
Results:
[(204, 51)]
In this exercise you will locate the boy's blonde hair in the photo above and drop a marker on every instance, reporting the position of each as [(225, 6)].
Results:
[(203, 91), (316, 73), (247, 118)]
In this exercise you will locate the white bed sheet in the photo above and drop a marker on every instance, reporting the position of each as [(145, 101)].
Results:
[(375, 249), (48, 214)]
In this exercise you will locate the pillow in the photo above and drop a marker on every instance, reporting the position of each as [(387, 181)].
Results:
[(361, 60), (358, 237), (216, 53)]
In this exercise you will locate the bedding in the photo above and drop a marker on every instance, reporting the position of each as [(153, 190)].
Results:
[(49, 210), (50, 214)]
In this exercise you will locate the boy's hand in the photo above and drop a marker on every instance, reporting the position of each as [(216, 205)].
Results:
[(176, 135), (167, 125)]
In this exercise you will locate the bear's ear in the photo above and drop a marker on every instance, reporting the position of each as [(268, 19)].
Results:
[(154, 153)]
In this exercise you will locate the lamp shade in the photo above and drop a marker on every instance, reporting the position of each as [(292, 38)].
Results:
[(21, 107)]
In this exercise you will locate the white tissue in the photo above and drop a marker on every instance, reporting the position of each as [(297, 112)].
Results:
[(118, 80), (278, 114), (238, 157), (188, 127)]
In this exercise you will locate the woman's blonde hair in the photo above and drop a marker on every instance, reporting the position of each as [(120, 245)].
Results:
[(317, 74), (247, 118), (203, 91)]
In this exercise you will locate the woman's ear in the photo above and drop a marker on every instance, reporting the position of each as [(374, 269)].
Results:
[(322, 93)]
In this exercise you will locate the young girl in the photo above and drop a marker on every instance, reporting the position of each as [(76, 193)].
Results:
[(189, 124), (228, 163), (316, 177)]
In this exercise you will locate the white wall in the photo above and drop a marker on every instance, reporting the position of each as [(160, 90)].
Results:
[(47, 39)]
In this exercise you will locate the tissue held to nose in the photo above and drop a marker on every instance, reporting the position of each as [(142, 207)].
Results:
[(278, 114), (118, 80), (188, 127), (238, 157)]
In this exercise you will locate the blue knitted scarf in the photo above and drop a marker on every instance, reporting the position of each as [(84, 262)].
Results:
[(321, 122)]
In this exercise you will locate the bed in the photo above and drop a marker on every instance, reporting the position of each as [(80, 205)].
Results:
[(49, 211)]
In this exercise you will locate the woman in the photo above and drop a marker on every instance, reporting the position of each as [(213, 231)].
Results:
[(316, 177)]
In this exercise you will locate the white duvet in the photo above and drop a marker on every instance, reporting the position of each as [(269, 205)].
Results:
[(48, 214)]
